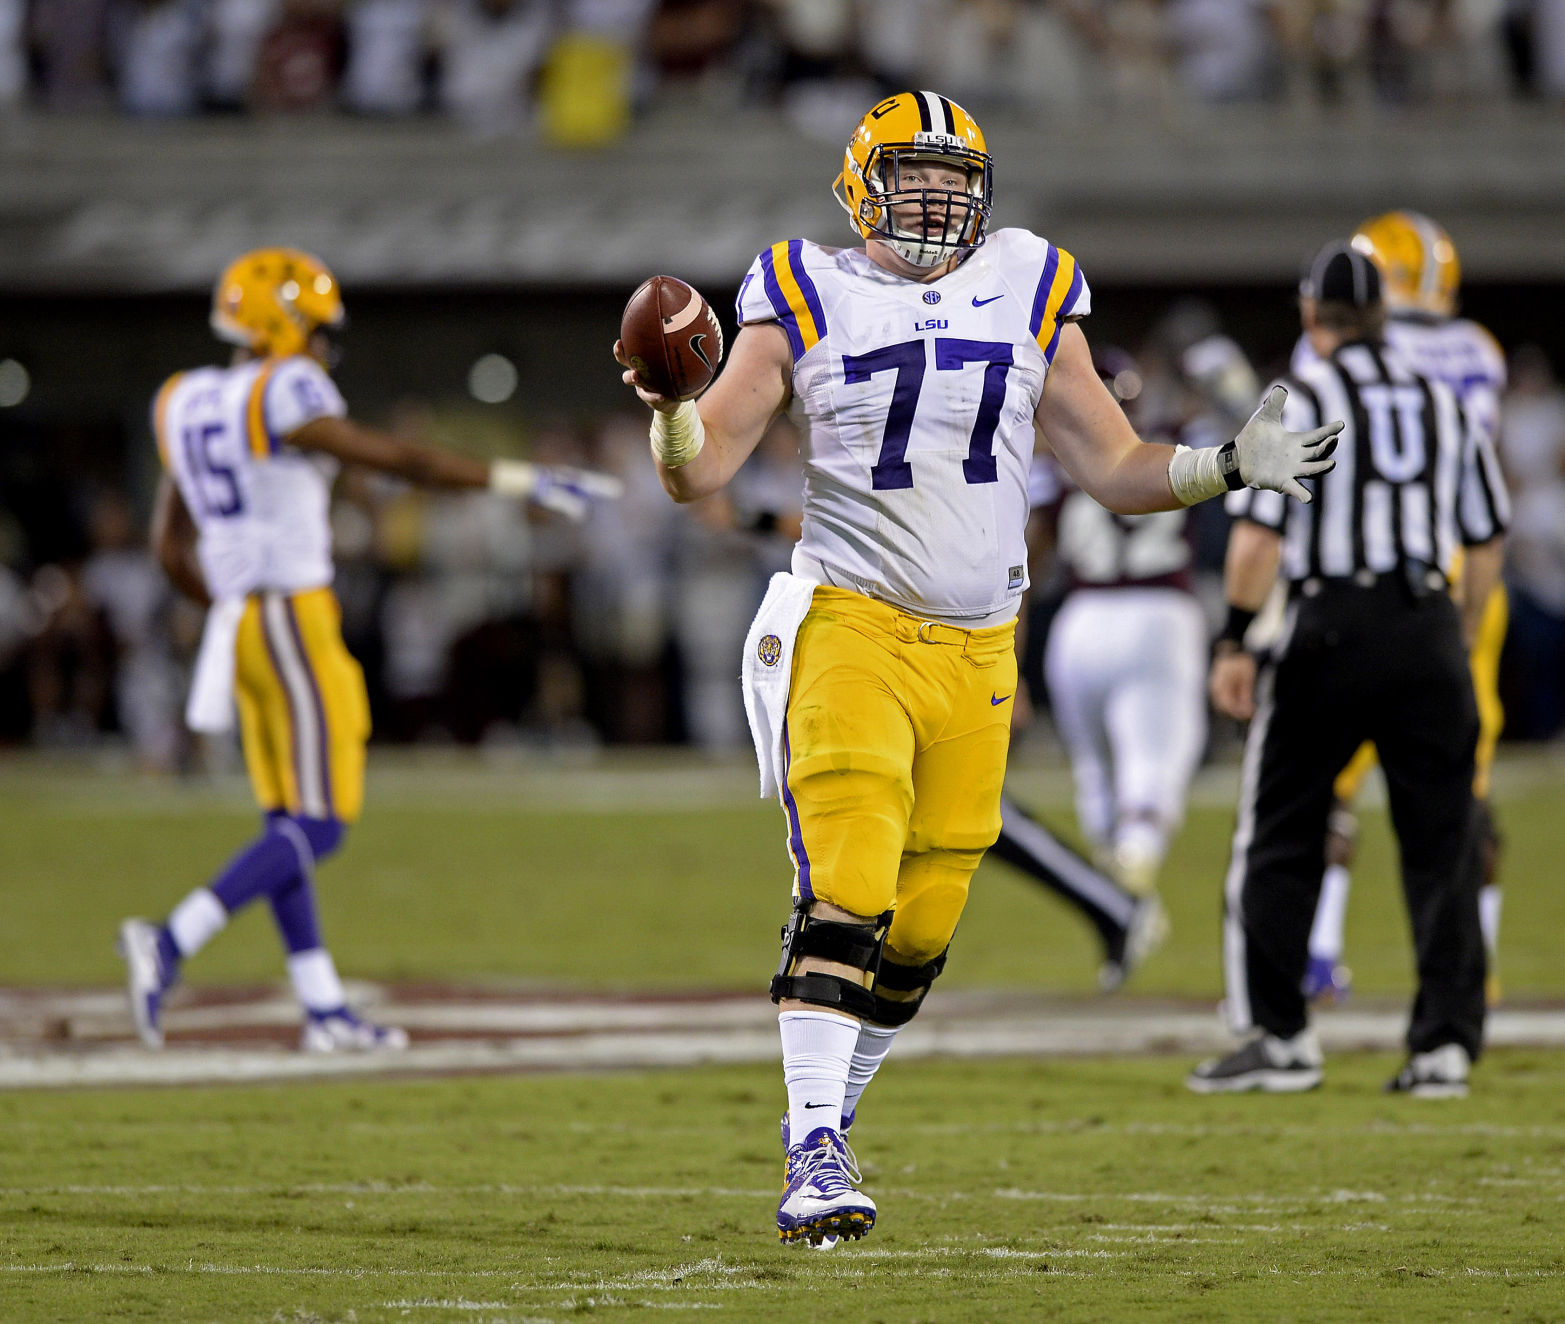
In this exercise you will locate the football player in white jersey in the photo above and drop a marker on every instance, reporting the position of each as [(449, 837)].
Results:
[(879, 674), (1421, 275), (241, 523), (1125, 663)]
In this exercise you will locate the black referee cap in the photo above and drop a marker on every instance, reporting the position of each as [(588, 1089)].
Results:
[(1341, 274)]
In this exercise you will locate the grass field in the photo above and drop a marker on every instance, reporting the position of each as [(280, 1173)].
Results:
[(1083, 1190), (594, 879), (1013, 1189)]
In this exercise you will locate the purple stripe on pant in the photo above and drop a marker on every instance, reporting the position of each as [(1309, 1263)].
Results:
[(801, 858)]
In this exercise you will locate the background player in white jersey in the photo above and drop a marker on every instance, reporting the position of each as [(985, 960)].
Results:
[(879, 674), (241, 523), (1421, 275), (1125, 663)]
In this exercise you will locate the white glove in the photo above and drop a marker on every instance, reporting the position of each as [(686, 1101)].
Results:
[(561, 488), (1272, 457)]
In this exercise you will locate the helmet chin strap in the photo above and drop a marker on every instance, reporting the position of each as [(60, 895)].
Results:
[(920, 253)]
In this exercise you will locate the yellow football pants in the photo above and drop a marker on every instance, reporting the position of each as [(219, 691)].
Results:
[(1484, 662), (304, 713), (895, 746)]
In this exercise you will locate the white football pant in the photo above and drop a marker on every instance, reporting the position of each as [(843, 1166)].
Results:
[(1126, 670)]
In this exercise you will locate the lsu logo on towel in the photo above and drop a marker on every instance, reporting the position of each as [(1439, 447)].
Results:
[(769, 650)]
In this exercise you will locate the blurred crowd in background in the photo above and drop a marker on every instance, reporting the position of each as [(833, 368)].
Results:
[(479, 623), (576, 71)]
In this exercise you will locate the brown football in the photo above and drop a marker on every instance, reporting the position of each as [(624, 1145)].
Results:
[(671, 337)]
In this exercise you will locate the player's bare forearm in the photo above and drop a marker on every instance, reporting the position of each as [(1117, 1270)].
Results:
[(1085, 428), (1250, 568), (174, 538), (1480, 573), (356, 443), (718, 461)]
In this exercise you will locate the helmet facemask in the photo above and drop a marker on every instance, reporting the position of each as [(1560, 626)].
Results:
[(947, 220)]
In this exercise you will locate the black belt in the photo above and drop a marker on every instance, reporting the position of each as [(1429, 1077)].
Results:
[(1415, 579)]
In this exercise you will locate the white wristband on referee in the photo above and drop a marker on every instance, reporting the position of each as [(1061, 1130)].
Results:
[(677, 438), (513, 478), (1198, 475)]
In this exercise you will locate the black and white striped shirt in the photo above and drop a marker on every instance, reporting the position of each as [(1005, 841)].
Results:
[(1414, 476)]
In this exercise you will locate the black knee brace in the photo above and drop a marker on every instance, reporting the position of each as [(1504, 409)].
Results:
[(857, 945), (914, 979)]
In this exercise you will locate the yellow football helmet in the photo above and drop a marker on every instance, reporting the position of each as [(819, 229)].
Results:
[(271, 300), (1417, 260), (917, 127)]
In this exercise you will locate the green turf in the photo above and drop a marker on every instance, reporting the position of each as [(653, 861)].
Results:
[(458, 873), (1093, 1190), (1074, 1189)]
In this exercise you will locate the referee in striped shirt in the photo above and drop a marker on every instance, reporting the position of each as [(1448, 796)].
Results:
[(1372, 647)]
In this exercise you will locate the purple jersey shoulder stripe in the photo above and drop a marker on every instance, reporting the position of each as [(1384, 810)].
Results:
[(1054, 343), (273, 442), (807, 286), (1072, 294), (785, 317), (1040, 300), (801, 859)]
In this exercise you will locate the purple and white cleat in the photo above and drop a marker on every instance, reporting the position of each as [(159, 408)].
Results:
[(148, 976), (821, 1197), (1327, 981), (341, 1031)]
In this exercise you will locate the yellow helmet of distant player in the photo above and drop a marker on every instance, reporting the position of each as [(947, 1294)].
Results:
[(917, 127), (1417, 260), (272, 300)]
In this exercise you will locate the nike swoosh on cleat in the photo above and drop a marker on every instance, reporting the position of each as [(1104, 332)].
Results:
[(979, 303), (994, 702)]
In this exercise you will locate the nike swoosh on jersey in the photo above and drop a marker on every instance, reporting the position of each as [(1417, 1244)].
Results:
[(995, 701), (979, 303)]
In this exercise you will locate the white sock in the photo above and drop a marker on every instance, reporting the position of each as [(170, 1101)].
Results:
[(1489, 916), (196, 920), (870, 1051), (817, 1052), (315, 982), (1331, 913)]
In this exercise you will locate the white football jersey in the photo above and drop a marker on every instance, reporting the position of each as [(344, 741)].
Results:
[(916, 403), (261, 506)]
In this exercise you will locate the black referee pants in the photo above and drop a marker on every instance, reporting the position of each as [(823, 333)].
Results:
[(1358, 664)]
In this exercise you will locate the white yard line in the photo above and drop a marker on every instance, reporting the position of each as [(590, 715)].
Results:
[(597, 1034)]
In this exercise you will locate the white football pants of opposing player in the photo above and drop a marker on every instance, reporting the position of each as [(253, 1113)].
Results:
[(1126, 674)]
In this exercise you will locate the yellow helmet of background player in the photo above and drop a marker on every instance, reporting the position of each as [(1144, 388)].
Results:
[(909, 127), (271, 300), (1417, 260)]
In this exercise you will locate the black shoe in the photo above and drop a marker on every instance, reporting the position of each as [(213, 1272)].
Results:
[(1441, 1073), (1266, 1063)]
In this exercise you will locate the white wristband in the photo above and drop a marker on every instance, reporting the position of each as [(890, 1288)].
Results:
[(513, 478), (1196, 475), (677, 438)]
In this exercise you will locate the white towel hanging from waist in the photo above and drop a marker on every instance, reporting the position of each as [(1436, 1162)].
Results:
[(768, 671)]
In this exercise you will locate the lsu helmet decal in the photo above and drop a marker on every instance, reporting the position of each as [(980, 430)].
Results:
[(271, 300), (903, 129), (1417, 261)]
